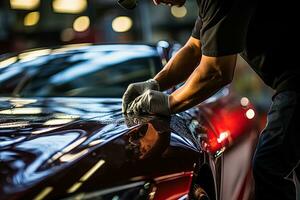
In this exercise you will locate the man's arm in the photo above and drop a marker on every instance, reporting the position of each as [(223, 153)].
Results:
[(211, 75), (177, 70), (180, 67)]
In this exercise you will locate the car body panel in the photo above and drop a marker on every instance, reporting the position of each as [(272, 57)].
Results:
[(79, 71), (39, 151), (81, 146)]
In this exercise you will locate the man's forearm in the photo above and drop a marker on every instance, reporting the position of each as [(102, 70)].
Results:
[(180, 67), (207, 79)]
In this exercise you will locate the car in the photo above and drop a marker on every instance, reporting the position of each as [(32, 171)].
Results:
[(63, 134)]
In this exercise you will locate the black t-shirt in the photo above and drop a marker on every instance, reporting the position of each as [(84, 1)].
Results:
[(263, 31)]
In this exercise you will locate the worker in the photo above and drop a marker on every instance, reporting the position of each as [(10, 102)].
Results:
[(264, 33)]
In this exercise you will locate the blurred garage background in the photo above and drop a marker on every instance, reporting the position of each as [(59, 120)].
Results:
[(27, 24), (35, 23)]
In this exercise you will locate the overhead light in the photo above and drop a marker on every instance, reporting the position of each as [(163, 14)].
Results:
[(69, 6), (121, 24), (24, 4), (250, 114), (245, 101), (31, 19), (178, 12), (81, 23)]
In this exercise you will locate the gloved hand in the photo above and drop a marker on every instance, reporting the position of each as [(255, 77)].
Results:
[(152, 102), (136, 89)]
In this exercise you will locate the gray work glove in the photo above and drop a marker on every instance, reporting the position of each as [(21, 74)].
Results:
[(152, 102), (136, 89)]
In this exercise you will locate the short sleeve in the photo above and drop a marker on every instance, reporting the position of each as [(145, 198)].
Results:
[(222, 26), (197, 28)]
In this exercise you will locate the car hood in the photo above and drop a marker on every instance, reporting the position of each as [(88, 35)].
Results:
[(46, 140)]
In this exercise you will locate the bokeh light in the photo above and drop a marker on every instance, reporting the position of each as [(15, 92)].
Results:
[(250, 114), (69, 6), (67, 35), (31, 18), (24, 4), (81, 23), (178, 12), (122, 24), (245, 101)]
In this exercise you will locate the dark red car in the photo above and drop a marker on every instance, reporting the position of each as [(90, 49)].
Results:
[(63, 135)]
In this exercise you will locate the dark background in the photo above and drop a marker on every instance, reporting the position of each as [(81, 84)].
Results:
[(27, 24), (21, 29)]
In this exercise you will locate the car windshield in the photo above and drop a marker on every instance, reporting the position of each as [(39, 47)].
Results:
[(94, 71)]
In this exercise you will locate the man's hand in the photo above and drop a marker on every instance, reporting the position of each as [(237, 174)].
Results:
[(136, 89), (152, 102)]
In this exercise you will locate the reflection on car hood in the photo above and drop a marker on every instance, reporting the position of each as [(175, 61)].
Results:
[(46, 140)]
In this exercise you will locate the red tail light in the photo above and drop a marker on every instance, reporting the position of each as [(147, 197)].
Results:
[(226, 125)]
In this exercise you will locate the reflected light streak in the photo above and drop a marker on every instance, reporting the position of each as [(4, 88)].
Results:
[(89, 173), (80, 69), (74, 187), (70, 47), (67, 149), (65, 116), (21, 111), (86, 176), (14, 124), (75, 144), (56, 156), (21, 103), (225, 91), (70, 157), (43, 193), (27, 56), (223, 136), (8, 61), (93, 143), (57, 121), (44, 130), (171, 176)]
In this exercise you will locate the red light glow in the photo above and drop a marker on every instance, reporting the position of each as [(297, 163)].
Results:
[(227, 125)]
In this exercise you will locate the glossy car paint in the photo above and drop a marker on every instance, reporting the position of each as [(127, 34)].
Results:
[(79, 71), (233, 152), (53, 148), (53, 143)]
